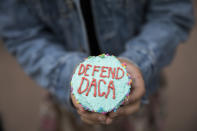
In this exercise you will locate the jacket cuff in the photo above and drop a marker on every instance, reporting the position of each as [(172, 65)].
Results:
[(142, 59), (63, 88)]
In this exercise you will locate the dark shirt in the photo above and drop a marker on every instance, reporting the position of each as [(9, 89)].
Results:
[(90, 27)]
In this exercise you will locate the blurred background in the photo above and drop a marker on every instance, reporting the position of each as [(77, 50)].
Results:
[(20, 97)]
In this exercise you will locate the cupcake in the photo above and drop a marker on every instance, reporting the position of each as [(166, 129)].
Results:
[(101, 83)]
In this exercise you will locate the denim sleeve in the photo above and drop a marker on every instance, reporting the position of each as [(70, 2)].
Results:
[(168, 23), (40, 54)]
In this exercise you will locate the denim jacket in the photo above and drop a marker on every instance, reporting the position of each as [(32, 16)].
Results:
[(49, 39)]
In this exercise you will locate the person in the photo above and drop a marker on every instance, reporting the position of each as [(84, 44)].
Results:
[(49, 38)]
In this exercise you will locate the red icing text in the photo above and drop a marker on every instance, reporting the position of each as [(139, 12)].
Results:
[(103, 72)]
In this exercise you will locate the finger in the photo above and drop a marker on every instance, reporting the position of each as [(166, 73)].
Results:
[(87, 121), (78, 106), (138, 87), (93, 116), (125, 110), (135, 95)]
